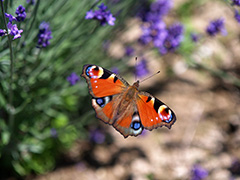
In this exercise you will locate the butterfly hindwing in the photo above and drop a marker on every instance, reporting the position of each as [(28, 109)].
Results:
[(104, 108), (129, 125), (154, 113), (101, 82), (108, 110)]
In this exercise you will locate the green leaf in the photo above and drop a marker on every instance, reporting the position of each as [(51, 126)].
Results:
[(19, 168), (5, 137), (60, 121)]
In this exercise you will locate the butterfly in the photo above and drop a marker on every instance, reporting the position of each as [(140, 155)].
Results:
[(123, 106)]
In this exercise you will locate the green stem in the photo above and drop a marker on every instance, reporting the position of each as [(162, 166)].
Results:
[(10, 97)]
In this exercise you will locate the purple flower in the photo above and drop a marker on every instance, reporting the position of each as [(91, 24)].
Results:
[(237, 16), (44, 35), (102, 15), (195, 37), (73, 78), (173, 39), (154, 32), (216, 26), (110, 19), (14, 31), (97, 136), (90, 15), (21, 14), (129, 51), (2, 32), (10, 17), (158, 9), (198, 173), (236, 2), (141, 68)]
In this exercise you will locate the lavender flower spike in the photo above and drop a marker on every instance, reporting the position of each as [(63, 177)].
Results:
[(236, 2), (237, 16), (73, 78), (44, 35), (2, 32), (173, 39), (21, 14), (14, 31), (102, 14), (216, 26), (10, 17)]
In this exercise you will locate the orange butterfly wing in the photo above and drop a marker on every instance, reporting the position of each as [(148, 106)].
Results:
[(101, 82), (154, 113), (106, 89), (129, 124)]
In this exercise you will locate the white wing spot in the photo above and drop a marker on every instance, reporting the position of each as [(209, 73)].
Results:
[(151, 119), (96, 86), (156, 118)]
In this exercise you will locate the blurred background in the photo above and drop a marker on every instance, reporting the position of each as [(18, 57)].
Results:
[(48, 128)]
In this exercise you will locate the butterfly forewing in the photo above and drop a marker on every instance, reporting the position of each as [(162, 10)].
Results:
[(101, 82), (154, 113)]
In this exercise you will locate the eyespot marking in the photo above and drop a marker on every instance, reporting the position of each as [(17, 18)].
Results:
[(100, 102), (103, 101), (165, 113), (136, 125), (94, 72)]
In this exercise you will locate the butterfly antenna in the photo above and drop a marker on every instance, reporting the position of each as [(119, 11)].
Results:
[(150, 76), (135, 68)]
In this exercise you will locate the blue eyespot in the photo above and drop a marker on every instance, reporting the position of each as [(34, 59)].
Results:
[(87, 70), (170, 119), (100, 102), (136, 125)]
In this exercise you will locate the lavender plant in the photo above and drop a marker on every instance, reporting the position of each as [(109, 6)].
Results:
[(42, 43)]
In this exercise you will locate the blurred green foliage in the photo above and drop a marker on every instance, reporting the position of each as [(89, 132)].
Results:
[(47, 114)]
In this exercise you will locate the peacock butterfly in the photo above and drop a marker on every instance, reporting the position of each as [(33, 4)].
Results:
[(123, 106)]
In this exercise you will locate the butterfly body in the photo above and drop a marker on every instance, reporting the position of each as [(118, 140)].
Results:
[(123, 106)]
